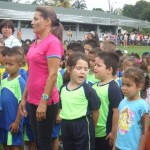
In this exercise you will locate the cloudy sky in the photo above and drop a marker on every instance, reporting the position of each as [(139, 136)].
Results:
[(104, 3)]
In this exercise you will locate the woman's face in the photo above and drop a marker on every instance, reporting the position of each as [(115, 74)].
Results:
[(39, 24), (6, 32)]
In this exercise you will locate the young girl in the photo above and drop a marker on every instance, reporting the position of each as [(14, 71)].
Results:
[(131, 61), (79, 106), (133, 112)]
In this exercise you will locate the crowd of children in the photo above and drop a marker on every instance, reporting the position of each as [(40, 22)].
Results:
[(104, 99)]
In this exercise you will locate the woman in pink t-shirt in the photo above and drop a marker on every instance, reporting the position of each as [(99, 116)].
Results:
[(43, 60)]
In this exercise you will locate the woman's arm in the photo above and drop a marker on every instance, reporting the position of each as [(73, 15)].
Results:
[(53, 66), (145, 127)]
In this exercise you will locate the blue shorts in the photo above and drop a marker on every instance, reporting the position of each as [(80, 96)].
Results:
[(7, 138), (56, 131)]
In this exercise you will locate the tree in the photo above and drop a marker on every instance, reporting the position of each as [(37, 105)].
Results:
[(128, 10), (145, 14), (79, 4), (63, 3), (117, 11), (139, 7)]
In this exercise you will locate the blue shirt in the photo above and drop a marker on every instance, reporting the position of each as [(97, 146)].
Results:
[(129, 124), (11, 93)]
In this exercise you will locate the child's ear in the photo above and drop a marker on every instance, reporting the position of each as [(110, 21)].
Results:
[(110, 70)]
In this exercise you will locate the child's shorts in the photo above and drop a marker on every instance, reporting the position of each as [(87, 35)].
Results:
[(7, 138), (56, 131)]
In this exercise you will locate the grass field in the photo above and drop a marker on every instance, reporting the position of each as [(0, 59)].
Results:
[(136, 49)]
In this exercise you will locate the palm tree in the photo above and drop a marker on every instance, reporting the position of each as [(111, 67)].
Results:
[(79, 4), (62, 3)]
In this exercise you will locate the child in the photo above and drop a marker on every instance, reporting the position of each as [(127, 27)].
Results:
[(128, 62), (90, 76), (106, 66), (11, 122), (133, 112), (108, 45), (93, 36), (79, 106), (89, 45), (73, 48), (21, 71)]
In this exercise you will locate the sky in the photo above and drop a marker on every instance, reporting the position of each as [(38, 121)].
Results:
[(104, 3), (105, 6)]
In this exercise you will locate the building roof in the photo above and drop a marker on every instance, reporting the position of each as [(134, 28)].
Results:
[(17, 11)]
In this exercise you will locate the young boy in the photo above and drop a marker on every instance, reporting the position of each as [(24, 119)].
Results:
[(91, 57), (12, 87), (110, 94), (108, 45)]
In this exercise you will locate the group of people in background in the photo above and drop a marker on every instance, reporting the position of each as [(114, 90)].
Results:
[(127, 39), (87, 95)]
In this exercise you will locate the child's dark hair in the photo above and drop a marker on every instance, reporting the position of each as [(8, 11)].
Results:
[(146, 68), (71, 62), (108, 45), (75, 47), (25, 48), (95, 38), (4, 50), (92, 43), (119, 52), (134, 55), (110, 59), (135, 74), (16, 51), (28, 42), (95, 51)]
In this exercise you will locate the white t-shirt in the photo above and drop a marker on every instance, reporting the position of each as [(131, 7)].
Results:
[(12, 41)]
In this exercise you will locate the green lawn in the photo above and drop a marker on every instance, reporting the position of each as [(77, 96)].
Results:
[(136, 49)]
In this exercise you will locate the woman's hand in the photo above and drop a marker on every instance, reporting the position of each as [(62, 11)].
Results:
[(22, 108), (41, 110)]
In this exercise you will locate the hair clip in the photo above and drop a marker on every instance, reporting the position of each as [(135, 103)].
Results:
[(139, 61), (57, 22)]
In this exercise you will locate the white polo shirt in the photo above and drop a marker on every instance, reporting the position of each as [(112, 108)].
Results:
[(12, 41)]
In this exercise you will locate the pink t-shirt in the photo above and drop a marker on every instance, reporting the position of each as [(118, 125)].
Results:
[(37, 56)]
